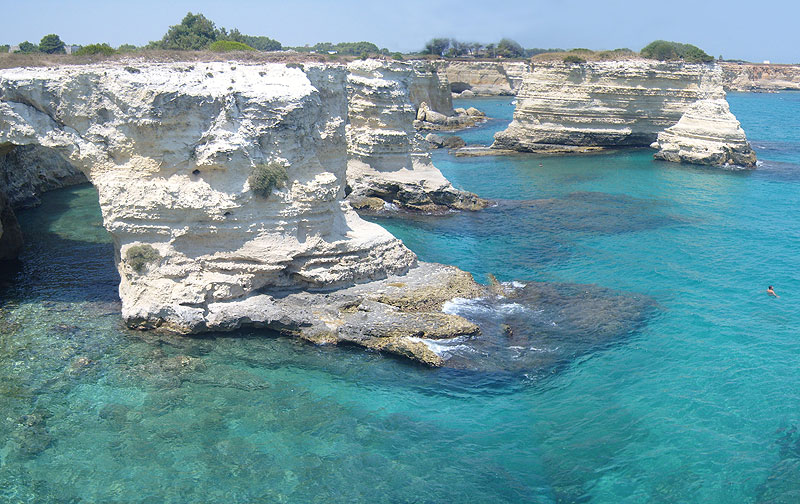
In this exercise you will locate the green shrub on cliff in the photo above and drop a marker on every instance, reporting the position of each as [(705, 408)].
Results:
[(675, 51), (266, 177), (138, 256), (229, 45), (91, 49), (571, 58)]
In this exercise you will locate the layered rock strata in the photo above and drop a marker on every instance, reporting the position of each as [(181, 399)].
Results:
[(572, 107), (707, 133), (484, 78), (388, 160), (754, 77), (429, 86), (171, 150)]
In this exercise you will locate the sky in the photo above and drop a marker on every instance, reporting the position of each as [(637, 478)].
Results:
[(734, 29)]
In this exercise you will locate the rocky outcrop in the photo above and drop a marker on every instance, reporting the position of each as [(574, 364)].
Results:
[(428, 119), (29, 170), (707, 133), (171, 150), (484, 78), (10, 234), (563, 107), (222, 185), (446, 142), (388, 159), (760, 77)]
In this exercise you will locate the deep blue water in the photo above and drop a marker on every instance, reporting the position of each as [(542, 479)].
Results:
[(698, 404)]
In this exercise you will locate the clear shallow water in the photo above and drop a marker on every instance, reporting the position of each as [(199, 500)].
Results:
[(696, 405)]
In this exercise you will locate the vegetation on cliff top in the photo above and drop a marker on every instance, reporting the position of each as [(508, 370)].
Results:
[(506, 48), (196, 32), (228, 46), (93, 49), (675, 51)]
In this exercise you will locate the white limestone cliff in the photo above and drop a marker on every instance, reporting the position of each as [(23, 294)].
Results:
[(760, 77), (484, 78), (170, 149), (388, 160), (429, 86), (707, 133)]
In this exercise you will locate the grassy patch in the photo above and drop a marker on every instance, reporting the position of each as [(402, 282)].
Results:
[(266, 177), (139, 256)]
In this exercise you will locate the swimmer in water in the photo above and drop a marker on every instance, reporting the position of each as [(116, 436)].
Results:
[(771, 292)]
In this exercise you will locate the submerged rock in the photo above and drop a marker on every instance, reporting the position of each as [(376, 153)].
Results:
[(536, 328)]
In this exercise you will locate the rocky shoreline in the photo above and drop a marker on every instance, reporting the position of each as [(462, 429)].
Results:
[(229, 188)]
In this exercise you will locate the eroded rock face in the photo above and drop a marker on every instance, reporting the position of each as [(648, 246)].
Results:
[(484, 78), (760, 77), (171, 149), (429, 86), (605, 104), (388, 159), (707, 133), (29, 170)]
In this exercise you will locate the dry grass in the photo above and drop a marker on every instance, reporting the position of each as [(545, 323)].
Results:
[(588, 55), (17, 60)]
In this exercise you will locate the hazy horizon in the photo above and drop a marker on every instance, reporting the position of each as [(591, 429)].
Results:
[(734, 30)]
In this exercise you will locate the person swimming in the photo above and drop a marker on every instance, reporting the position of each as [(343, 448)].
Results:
[(771, 291)]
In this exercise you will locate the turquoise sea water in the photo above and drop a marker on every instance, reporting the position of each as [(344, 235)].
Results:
[(698, 404)]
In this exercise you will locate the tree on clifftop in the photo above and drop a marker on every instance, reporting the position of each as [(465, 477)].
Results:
[(51, 44), (193, 34), (508, 48), (668, 51), (437, 46)]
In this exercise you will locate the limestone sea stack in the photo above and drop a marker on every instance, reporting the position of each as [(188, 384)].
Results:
[(222, 186), (576, 107), (173, 150), (388, 161), (707, 133)]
